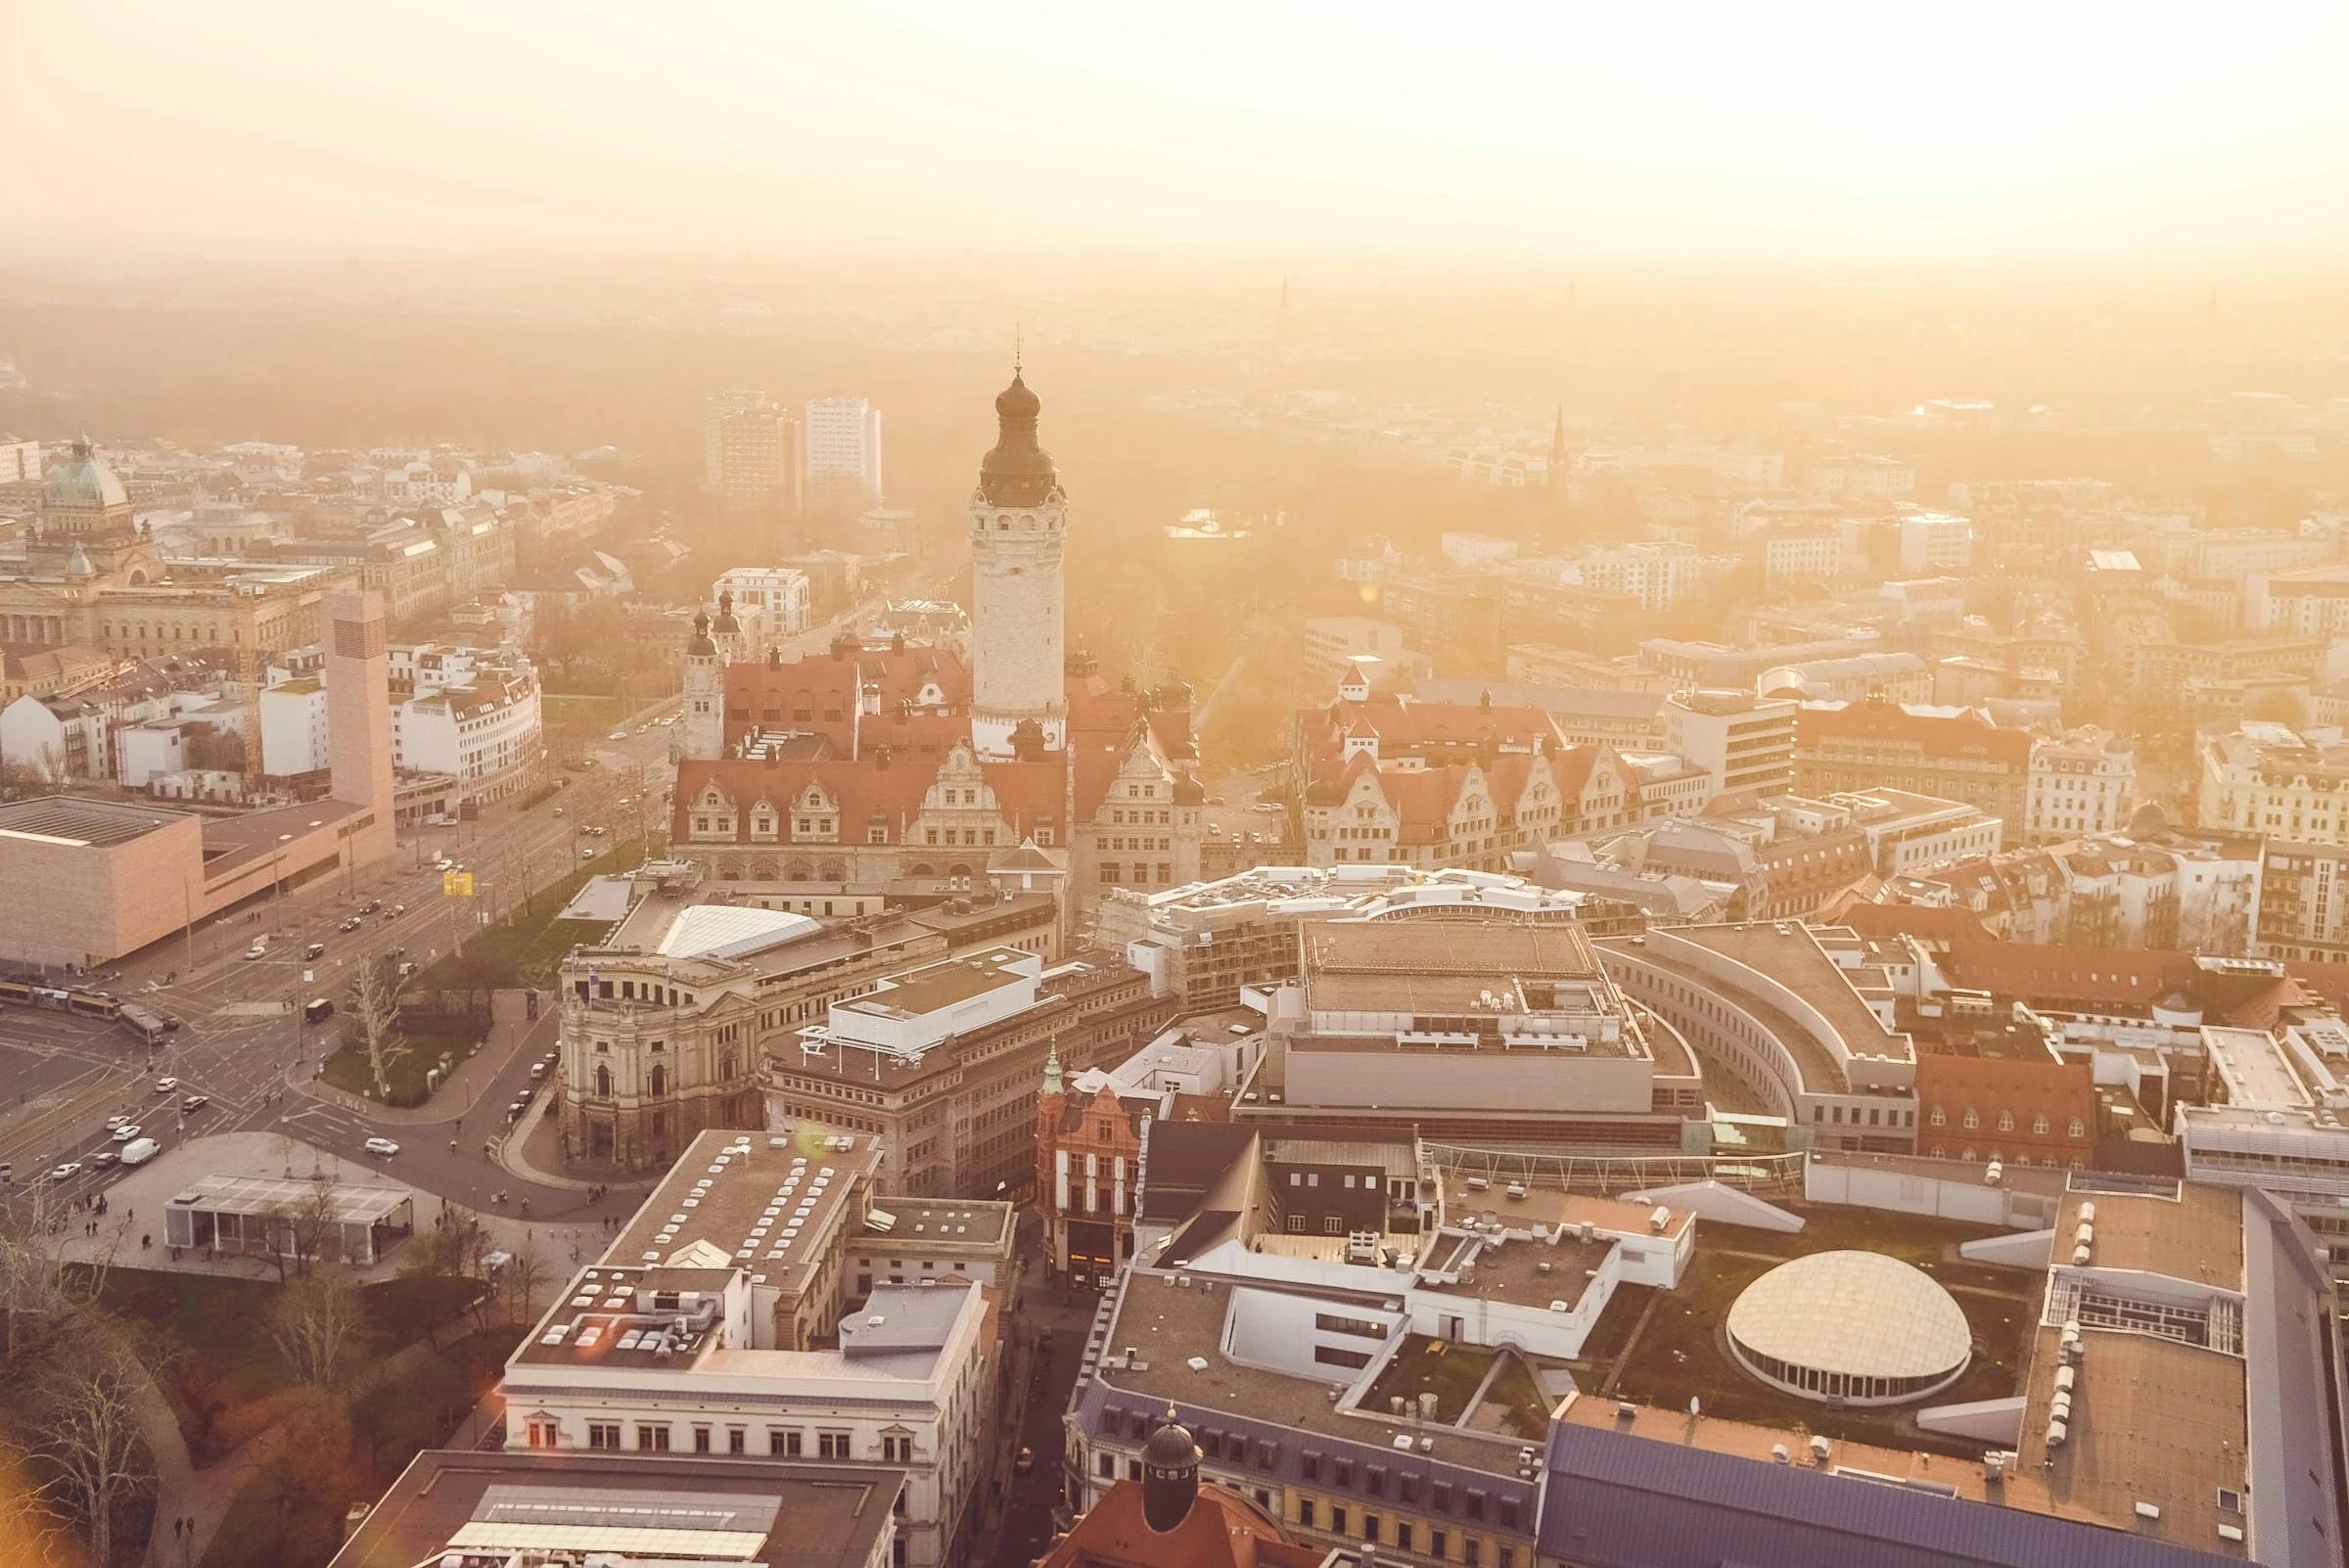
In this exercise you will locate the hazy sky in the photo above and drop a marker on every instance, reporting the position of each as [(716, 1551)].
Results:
[(1261, 126)]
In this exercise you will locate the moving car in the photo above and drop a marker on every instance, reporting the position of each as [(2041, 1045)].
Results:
[(127, 1131), (64, 1172), (395, 912), (370, 907), (261, 946), (1025, 1462), (383, 1147), (104, 1159), (164, 1085), (350, 924), (196, 1102), (317, 1010), (114, 1121), (445, 863), (587, 851), (557, 810), (316, 949), (618, 735)]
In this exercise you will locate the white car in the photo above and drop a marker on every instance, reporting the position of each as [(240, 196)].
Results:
[(114, 1121), (445, 863), (164, 1085), (66, 1172), (618, 735), (127, 1131), (384, 1147)]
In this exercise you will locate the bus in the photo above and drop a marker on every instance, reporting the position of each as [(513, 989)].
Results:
[(149, 1027)]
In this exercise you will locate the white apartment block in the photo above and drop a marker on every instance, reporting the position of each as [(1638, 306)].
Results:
[(1803, 555), (842, 438), (1334, 644), (294, 726), (1655, 575), (1933, 542), (1742, 742), (485, 736), (2083, 784), (2309, 602), (771, 603)]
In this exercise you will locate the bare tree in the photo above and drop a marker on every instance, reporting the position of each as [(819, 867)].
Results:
[(375, 1010), (524, 1274), (86, 1427), (30, 1524), (314, 1323), (35, 1290)]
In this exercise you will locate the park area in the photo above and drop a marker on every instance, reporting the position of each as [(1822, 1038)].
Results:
[(523, 951), (1665, 1347)]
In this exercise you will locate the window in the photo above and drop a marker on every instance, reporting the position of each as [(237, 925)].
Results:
[(1331, 1356), (897, 1449), (736, 1438), (2005, 1120), (2076, 1130), (1369, 1527), (783, 1443), (1403, 1534), (1359, 1327), (1107, 1465), (701, 1440), (2039, 1125), (1471, 1550), (654, 1439), (545, 1434), (1332, 1226), (1337, 1520), (832, 1445), (603, 1434), (1973, 1120), (1305, 1513)]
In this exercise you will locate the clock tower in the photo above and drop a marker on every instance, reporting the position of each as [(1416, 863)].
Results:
[(1017, 521)]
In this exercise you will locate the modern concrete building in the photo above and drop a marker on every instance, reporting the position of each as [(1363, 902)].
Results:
[(358, 674), (842, 440), (1741, 741)]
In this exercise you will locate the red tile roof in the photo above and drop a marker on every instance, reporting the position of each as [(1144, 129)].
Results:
[(1223, 1530)]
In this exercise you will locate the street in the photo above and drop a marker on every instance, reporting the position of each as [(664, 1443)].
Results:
[(244, 1046)]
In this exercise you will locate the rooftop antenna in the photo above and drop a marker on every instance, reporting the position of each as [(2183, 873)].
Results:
[(1019, 344)]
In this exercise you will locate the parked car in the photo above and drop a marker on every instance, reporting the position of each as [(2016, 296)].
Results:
[(259, 948), (587, 851), (538, 1071), (383, 1148), (395, 912), (618, 735)]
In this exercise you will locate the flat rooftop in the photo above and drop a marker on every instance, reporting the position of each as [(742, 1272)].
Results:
[(752, 1202), (244, 1194), (934, 987), (1170, 1325), (81, 822), (492, 1508), (233, 840)]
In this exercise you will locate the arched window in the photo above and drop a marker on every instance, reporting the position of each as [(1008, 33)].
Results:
[(603, 1081), (2039, 1123), (1973, 1120), (660, 1082), (2005, 1120), (1939, 1116)]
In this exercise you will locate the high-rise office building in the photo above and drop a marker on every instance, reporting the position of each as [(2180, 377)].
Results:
[(842, 440), (715, 406), (759, 463)]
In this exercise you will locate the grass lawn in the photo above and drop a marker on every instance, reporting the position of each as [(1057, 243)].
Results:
[(527, 949), (1681, 1351), (1514, 1402), (1427, 1366), (405, 1073)]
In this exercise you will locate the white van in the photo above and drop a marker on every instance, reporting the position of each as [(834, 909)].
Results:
[(138, 1151)]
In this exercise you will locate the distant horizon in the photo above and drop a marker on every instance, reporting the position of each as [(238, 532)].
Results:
[(1812, 133)]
